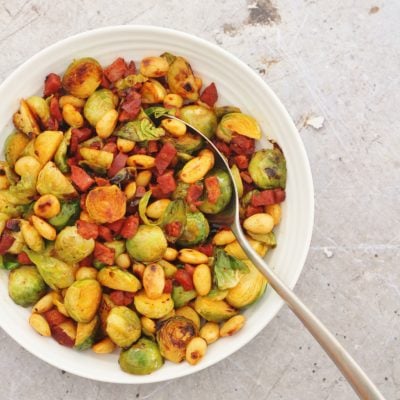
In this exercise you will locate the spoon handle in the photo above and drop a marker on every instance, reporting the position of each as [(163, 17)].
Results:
[(360, 382)]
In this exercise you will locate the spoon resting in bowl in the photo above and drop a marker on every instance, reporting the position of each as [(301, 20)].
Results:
[(229, 217)]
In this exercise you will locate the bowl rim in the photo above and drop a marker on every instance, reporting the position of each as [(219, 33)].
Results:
[(88, 34)]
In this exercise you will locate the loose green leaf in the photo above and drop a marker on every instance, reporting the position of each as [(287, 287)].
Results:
[(228, 270)]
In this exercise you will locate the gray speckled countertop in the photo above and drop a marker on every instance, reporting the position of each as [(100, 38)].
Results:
[(333, 59)]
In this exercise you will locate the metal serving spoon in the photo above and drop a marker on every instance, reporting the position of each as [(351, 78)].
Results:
[(360, 382)]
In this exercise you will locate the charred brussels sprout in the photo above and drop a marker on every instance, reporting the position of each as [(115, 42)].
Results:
[(181, 79), (250, 287), (225, 193), (201, 118), (142, 358), (148, 244), (268, 169), (174, 336), (196, 230), (25, 286), (98, 104), (82, 77), (71, 247), (238, 123), (82, 300), (123, 326)]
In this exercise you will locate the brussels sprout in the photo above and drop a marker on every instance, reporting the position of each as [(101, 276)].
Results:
[(152, 92), (221, 111), (106, 204), (237, 179), (169, 57), (68, 214), (60, 157), (105, 307), (14, 146), (238, 123), (9, 262), (225, 188), (201, 118), (118, 279), (174, 213), (97, 160), (181, 190), (173, 337), (142, 358), (25, 121), (56, 273), (216, 294), (196, 230), (153, 308), (52, 181), (148, 245), (39, 108), (130, 81), (82, 300), (98, 104), (181, 79), (123, 326), (71, 247), (234, 249), (267, 168), (269, 238), (188, 143), (250, 287), (25, 286), (181, 297), (140, 130), (82, 77), (228, 270), (213, 310), (86, 333)]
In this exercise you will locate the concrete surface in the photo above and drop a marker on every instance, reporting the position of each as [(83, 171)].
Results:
[(333, 59)]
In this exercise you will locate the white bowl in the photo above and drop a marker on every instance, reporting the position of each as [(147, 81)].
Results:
[(237, 85)]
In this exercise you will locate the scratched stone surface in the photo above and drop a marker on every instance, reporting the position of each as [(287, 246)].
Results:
[(335, 65)]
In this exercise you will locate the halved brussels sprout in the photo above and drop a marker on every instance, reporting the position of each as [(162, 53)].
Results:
[(98, 104), (52, 181), (267, 168), (249, 288), (173, 337), (14, 147), (181, 79), (82, 299), (123, 326), (214, 310), (25, 286), (106, 204), (140, 130), (225, 188), (82, 77), (238, 123), (148, 244), (68, 214), (71, 247), (56, 273), (39, 108), (86, 333), (175, 213), (196, 230), (142, 358), (181, 297), (25, 121), (118, 279), (201, 118), (188, 143), (153, 308)]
